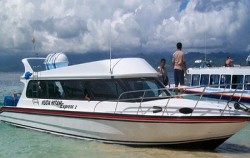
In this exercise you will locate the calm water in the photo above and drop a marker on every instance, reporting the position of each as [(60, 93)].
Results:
[(25, 143)]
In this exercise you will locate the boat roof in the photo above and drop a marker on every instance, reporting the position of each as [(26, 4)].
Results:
[(103, 69), (239, 70)]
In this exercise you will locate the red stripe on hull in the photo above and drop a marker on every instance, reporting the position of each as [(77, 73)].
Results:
[(127, 117)]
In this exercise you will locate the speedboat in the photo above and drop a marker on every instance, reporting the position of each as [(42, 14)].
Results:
[(117, 101), (220, 82)]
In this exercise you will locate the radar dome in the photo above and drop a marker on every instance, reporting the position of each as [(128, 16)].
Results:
[(56, 60)]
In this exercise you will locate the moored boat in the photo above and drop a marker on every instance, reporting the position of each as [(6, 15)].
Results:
[(220, 82), (117, 101)]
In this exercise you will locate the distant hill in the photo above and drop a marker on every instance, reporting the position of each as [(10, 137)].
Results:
[(12, 62)]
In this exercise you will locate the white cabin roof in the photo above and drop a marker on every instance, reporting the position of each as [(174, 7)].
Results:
[(239, 70), (117, 68)]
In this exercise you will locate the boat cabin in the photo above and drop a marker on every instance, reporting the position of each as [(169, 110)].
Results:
[(220, 77), (98, 81)]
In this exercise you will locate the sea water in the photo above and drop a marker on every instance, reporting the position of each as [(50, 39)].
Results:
[(18, 142)]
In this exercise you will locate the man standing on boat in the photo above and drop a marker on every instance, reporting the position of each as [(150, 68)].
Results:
[(228, 62), (179, 66), (162, 70)]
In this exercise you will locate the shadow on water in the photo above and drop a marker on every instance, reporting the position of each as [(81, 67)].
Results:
[(233, 148), (225, 148)]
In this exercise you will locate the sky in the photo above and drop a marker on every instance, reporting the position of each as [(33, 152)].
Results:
[(128, 26)]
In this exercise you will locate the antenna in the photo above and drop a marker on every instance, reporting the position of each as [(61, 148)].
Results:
[(33, 40), (110, 50), (205, 45), (205, 38)]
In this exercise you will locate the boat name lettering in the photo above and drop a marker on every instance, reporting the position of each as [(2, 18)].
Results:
[(58, 104), (46, 102)]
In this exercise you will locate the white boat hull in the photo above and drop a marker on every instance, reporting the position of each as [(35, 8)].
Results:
[(127, 129)]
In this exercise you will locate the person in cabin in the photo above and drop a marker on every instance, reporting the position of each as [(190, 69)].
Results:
[(42, 89), (179, 66), (162, 70), (86, 95), (228, 62)]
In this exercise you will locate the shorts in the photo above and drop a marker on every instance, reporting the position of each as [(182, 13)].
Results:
[(178, 77)]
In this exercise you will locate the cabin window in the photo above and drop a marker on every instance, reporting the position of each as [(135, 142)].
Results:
[(59, 89), (225, 81), (204, 80), (32, 90), (73, 89), (188, 80), (96, 89), (104, 89), (195, 80), (247, 82), (153, 89), (214, 80), (144, 87), (237, 82), (44, 89), (48, 89)]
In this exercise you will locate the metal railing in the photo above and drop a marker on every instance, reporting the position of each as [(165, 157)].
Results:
[(143, 97), (231, 93)]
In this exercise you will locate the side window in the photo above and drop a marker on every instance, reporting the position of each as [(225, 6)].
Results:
[(225, 81), (214, 80), (44, 89), (237, 82), (73, 89), (188, 80), (195, 80), (60, 90), (204, 80), (154, 92), (104, 89), (32, 89), (247, 82)]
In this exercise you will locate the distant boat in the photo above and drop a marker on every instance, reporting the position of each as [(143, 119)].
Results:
[(116, 101), (220, 82)]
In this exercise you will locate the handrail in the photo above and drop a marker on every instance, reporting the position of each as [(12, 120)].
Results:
[(199, 98), (222, 93), (234, 91), (141, 102), (228, 102), (165, 107), (143, 97)]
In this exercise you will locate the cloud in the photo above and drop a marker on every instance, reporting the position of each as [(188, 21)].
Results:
[(83, 26)]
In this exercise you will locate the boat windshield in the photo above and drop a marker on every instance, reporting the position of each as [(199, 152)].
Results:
[(37, 64), (130, 89), (143, 88)]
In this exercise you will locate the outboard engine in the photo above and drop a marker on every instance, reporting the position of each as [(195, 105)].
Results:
[(56, 60)]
